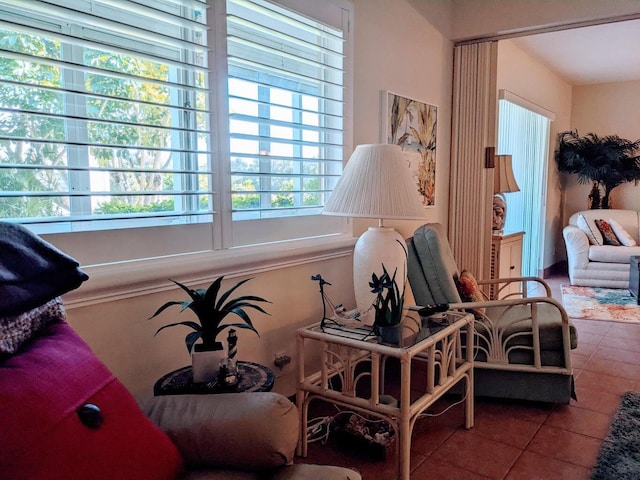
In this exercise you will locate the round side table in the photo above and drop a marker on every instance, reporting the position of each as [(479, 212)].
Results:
[(253, 378)]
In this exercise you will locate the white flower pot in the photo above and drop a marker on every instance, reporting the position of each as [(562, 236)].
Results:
[(206, 364)]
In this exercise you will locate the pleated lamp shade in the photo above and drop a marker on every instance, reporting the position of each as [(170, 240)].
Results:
[(503, 179), (503, 182), (376, 183)]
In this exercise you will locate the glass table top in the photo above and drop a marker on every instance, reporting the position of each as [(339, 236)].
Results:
[(414, 329)]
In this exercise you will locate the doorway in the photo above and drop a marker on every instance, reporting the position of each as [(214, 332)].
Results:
[(524, 134)]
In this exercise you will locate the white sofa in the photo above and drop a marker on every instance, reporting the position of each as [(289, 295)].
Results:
[(594, 265)]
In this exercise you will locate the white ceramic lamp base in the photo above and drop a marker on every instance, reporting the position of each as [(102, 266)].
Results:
[(375, 247)]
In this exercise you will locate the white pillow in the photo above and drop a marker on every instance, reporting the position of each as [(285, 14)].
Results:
[(624, 237), (590, 230)]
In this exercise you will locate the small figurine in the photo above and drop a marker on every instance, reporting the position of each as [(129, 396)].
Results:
[(340, 316), (228, 366)]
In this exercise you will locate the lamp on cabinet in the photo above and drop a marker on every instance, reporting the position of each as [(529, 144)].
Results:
[(503, 182)]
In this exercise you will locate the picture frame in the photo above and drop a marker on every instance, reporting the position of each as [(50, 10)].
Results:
[(413, 125)]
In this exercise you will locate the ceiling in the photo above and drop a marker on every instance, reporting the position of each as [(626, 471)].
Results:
[(588, 55)]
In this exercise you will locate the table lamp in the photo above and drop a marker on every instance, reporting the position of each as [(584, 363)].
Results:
[(503, 182), (376, 183)]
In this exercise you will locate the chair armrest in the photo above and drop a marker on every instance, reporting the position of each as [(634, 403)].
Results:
[(465, 306), (497, 327), (524, 284), (250, 431), (577, 244), (511, 303)]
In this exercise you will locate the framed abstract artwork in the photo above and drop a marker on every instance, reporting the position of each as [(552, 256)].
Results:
[(413, 125)]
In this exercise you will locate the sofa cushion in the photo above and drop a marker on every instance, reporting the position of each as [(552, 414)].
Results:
[(299, 471), (588, 226), (623, 236), (470, 291), (431, 268), (611, 254), (627, 218), (260, 429), (32, 271), (468, 287), (43, 437), (608, 235)]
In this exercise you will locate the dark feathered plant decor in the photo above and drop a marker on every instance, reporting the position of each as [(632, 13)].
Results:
[(607, 161)]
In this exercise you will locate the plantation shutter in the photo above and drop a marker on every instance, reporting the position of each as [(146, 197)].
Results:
[(286, 115), (104, 113)]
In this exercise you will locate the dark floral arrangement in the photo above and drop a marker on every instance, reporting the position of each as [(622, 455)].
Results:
[(389, 300)]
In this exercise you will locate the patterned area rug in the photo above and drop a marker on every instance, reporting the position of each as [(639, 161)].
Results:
[(619, 457), (616, 305)]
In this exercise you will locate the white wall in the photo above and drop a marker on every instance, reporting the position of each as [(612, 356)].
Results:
[(396, 49), (523, 75), (605, 109)]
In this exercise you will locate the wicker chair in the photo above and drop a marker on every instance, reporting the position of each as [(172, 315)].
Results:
[(523, 343)]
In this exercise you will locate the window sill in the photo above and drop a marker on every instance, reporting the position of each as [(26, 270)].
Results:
[(115, 281)]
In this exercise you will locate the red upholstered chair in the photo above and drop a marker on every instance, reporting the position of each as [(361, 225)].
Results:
[(64, 415)]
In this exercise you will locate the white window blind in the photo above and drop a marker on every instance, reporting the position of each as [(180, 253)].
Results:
[(104, 113), (286, 82), (524, 134), (109, 116)]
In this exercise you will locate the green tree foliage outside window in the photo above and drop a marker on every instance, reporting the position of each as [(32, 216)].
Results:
[(26, 125), (138, 103), (134, 113), (285, 186)]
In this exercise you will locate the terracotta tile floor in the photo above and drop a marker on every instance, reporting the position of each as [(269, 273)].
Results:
[(520, 440)]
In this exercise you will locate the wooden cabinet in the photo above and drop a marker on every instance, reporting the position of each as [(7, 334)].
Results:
[(506, 260)]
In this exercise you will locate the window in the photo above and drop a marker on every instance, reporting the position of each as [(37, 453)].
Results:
[(109, 113), (286, 108), (103, 121)]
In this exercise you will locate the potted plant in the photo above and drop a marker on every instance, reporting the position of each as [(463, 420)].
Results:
[(388, 306), (606, 161), (211, 308)]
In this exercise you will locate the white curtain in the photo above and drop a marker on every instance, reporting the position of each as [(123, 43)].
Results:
[(524, 134), (474, 121)]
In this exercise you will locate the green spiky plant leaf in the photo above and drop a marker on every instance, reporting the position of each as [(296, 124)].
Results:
[(211, 307)]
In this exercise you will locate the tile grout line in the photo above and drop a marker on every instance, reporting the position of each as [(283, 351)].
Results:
[(523, 450)]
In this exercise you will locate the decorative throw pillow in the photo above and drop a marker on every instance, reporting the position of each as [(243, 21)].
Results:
[(607, 233), (623, 236), (469, 290), (52, 429), (17, 329), (590, 230), (32, 271)]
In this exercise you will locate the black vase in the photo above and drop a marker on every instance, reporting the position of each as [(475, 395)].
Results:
[(391, 335)]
